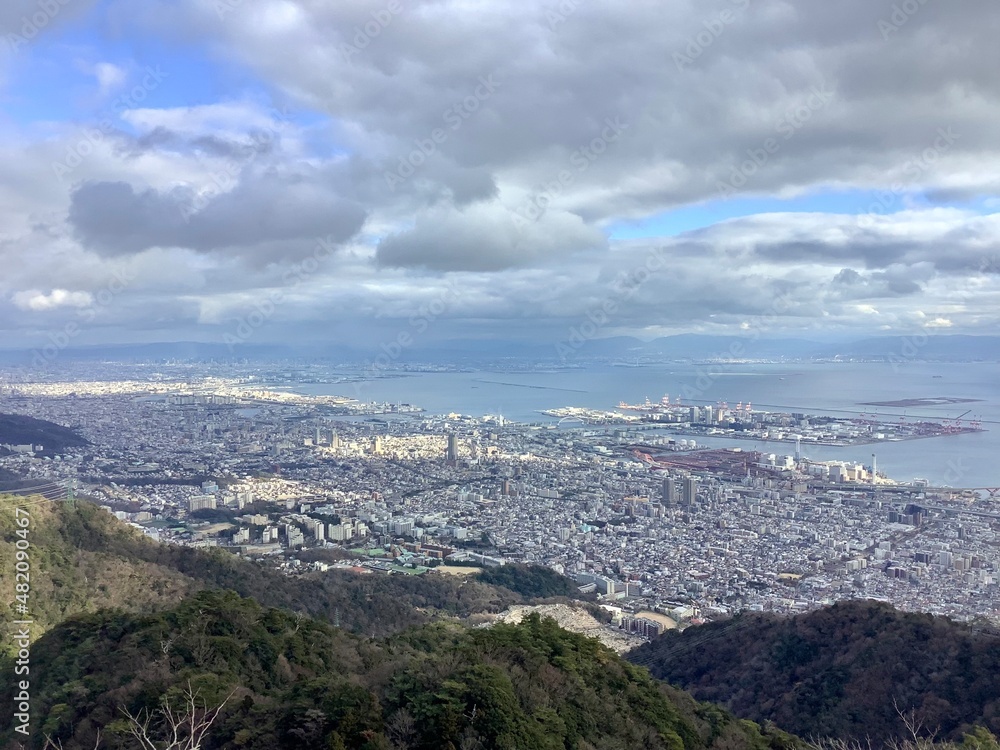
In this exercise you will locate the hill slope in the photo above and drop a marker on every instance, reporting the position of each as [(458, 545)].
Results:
[(67, 577), (838, 671), (17, 429), (302, 684), (84, 559)]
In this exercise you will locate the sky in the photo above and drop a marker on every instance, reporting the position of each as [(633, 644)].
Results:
[(258, 171)]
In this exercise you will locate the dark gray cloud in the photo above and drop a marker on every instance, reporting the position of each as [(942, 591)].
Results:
[(557, 84), (848, 284), (487, 237), (114, 218), (848, 277)]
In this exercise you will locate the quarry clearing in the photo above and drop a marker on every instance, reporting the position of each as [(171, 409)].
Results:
[(576, 620)]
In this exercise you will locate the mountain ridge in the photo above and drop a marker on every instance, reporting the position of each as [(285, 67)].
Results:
[(680, 347), (839, 671)]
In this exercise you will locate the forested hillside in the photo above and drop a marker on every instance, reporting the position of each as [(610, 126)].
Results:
[(17, 429), (530, 580), (840, 671), (297, 683), (79, 562)]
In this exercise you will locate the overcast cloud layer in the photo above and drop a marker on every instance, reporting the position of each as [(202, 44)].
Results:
[(336, 171)]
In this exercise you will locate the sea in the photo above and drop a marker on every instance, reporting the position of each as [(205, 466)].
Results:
[(830, 388)]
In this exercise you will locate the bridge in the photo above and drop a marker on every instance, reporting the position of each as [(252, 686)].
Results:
[(991, 491)]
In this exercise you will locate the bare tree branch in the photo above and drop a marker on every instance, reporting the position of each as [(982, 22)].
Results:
[(185, 725)]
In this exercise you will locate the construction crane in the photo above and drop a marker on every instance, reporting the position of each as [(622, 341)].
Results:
[(956, 423)]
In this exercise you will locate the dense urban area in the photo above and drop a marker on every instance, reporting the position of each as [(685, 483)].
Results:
[(663, 531)]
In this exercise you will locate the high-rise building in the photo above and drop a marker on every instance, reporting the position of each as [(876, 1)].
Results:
[(452, 447), (201, 502), (341, 532), (335, 440), (669, 494), (318, 438), (293, 536), (690, 490), (402, 527)]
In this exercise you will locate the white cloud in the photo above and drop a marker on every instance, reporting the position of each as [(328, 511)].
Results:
[(109, 77), (37, 301)]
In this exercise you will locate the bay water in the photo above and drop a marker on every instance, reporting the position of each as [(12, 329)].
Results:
[(833, 388)]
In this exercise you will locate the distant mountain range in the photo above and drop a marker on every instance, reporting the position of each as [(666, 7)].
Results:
[(684, 347)]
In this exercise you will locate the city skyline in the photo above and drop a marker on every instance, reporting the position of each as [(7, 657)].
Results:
[(621, 504)]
